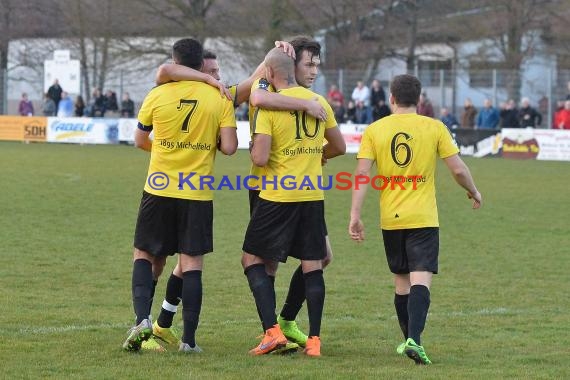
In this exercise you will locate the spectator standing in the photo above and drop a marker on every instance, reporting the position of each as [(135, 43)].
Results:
[(377, 99), (568, 96), (111, 103), (127, 106), (361, 97), (350, 112), (339, 111), (48, 106), (55, 92), (381, 111), (334, 95), (448, 119), (509, 115), (97, 104), (488, 117), (25, 108), (562, 117), (469, 113), (424, 106), (65, 108), (528, 116), (79, 106)]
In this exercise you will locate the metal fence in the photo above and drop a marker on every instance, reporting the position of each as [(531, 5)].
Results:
[(544, 86)]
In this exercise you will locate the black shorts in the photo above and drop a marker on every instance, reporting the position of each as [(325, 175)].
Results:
[(412, 250), (278, 230), (166, 226), (254, 198)]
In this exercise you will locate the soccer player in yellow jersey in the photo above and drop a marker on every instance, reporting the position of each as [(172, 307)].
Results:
[(288, 219), (307, 60), (405, 147), (189, 120), (210, 74)]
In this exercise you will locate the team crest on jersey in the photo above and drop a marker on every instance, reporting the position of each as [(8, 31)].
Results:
[(263, 84)]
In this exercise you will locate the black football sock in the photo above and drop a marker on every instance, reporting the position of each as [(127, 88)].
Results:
[(295, 296), (141, 288), (401, 305), (154, 282), (171, 301), (315, 291), (272, 279), (418, 306), (191, 304), (263, 292)]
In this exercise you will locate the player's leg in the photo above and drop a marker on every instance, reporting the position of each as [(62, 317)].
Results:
[(422, 247), (162, 327), (310, 247), (315, 293), (401, 295), (152, 240), (268, 239), (294, 301), (195, 239), (191, 267)]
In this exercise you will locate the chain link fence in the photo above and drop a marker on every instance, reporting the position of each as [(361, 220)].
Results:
[(444, 88)]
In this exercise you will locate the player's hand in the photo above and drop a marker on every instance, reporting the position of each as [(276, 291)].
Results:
[(316, 109), (477, 200), (287, 48), (356, 230), (224, 91)]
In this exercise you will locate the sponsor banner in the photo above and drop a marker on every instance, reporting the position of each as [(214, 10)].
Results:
[(352, 134), (127, 129), (82, 130), (23, 128), (477, 142), (540, 144)]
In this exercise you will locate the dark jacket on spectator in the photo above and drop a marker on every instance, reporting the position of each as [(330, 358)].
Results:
[(529, 117), (509, 118)]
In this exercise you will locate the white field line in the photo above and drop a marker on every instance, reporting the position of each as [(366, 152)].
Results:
[(46, 330)]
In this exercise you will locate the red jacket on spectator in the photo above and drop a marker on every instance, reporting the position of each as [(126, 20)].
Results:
[(562, 117)]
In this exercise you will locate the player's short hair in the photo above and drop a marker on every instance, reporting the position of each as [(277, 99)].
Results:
[(188, 52), (208, 54), (406, 90), (309, 44)]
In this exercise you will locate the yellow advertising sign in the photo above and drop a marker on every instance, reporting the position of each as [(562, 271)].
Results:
[(23, 128)]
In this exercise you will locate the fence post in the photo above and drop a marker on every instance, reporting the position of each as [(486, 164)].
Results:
[(442, 88), (341, 80), (549, 98), (495, 88)]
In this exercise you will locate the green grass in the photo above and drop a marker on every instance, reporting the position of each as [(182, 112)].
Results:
[(67, 213)]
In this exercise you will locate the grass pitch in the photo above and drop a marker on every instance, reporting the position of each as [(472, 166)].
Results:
[(67, 213)]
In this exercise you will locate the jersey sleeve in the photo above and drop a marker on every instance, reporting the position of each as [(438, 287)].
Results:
[(367, 146), (260, 84), (262, 122), (145, 113), (446, 145), (228, 119), (331, 121), (233, 92)]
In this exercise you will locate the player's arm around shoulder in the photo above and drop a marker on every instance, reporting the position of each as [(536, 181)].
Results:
[(462, 176)]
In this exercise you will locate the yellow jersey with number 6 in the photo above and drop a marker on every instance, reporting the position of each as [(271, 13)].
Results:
[(186, 118), (405, 148)]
